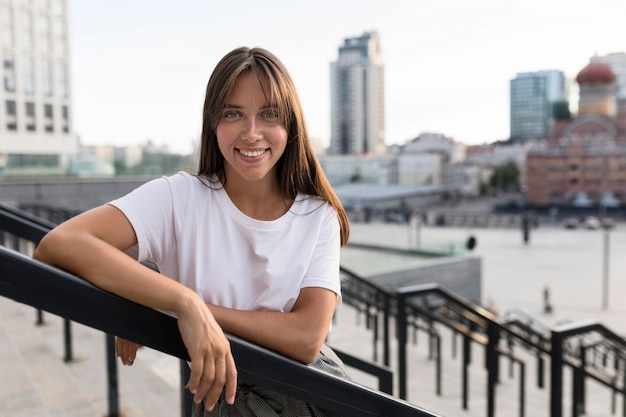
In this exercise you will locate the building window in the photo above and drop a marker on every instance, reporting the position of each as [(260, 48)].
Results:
[(46, 75), (29, 76), (66, 119), (11, 115), (62, 73), (44, 34), (20, 160), (9, 75), (26, 19), (6, 27), (30, 117), (48, 119)]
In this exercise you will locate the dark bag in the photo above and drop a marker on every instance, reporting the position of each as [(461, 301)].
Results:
[(255, 401)]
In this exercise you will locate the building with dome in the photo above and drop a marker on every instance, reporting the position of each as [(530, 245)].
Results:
[(584, 161)]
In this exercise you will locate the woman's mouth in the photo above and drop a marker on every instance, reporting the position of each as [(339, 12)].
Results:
[(252, 154)]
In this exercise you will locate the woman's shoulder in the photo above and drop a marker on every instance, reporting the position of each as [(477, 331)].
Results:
[(187, 181), (310, 204)]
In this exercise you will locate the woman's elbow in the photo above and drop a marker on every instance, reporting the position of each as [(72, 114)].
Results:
[(308, 350), (45, 249)]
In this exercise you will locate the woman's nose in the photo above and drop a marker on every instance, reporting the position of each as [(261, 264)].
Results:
[(252, 130)]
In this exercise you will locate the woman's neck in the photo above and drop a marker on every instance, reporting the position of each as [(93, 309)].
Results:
[(261, 200)]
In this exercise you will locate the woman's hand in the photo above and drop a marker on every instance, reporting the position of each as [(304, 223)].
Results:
[(212, 365), (126, 350)]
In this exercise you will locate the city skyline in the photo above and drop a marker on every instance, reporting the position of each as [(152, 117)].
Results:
[(139, 69)]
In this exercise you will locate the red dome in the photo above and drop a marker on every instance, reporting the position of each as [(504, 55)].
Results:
[(596, 73)]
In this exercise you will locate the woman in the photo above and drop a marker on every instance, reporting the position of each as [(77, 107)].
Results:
[(248, 246)]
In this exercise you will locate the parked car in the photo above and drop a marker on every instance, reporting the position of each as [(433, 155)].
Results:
[(571, 223), (591, 222), (608, 223)]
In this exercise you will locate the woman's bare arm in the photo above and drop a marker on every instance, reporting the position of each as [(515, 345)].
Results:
[(298, 334), (90, 246)]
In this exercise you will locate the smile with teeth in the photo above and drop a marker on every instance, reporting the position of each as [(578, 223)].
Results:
[(252, 154)]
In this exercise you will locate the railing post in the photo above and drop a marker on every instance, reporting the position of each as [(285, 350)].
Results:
[(186, 399), (402, 341), (540, 370), (438, 373), (492, 368), (67, 335), (466, 362), (112, 388), (578, 389), (386, 342), (556, 375), (39, 321), (522, 389)]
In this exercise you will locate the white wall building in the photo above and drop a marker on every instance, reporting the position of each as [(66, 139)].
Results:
[(36, 136)]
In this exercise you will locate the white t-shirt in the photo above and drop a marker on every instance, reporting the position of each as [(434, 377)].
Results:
[(191, 229)]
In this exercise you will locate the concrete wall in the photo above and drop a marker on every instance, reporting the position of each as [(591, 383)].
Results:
[(461, 275), (78, 194)]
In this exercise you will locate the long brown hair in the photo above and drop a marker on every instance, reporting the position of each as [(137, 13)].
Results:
[(298, 169)]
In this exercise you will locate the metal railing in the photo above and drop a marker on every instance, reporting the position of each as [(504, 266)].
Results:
[(79, 301), (591, 351)]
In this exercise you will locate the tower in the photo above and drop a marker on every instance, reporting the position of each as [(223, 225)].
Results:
[(533, 95), (357, 98), (35, 99)]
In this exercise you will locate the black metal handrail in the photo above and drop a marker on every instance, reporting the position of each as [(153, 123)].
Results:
[(28, 281), (30, 227)]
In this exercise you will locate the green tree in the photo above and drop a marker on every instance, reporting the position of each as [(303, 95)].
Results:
[(505, 177)]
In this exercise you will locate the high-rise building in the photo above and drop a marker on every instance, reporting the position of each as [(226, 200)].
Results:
[(358, 98), (532, 97), (36, 135), (617, 62)]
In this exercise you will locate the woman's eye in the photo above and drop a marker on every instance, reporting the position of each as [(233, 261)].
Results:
[(270, 114), (231, 114)]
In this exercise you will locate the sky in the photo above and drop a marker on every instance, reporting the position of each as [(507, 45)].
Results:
[(139, 68)]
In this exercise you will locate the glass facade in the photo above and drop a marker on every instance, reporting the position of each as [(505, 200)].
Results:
[(532, 97)]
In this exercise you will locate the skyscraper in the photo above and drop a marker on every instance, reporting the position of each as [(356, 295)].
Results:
[(35, 101), (357, 97), (532, 97)]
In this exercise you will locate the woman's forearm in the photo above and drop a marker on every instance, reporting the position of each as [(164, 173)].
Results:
[(298, 334)]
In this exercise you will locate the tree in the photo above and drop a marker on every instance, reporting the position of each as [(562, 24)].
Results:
[(505, 177)]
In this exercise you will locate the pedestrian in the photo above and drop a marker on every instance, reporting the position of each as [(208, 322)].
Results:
[(249, 245)]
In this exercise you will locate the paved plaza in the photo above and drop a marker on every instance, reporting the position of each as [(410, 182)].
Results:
[(583, 270)]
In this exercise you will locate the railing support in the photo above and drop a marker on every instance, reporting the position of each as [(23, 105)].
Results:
[(578, 397), (556, 375), (492, 368), (112, 388), (402, 341), (466, 362), (186, 399), (386, 335), (67, 336)]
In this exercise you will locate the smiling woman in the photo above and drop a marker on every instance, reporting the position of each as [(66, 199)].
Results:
[(249, 246)]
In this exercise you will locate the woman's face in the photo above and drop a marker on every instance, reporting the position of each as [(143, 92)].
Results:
[(249, 133)]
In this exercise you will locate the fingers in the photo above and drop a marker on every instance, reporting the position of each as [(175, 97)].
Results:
[(126, 350), (213, 377), (231, 379)]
